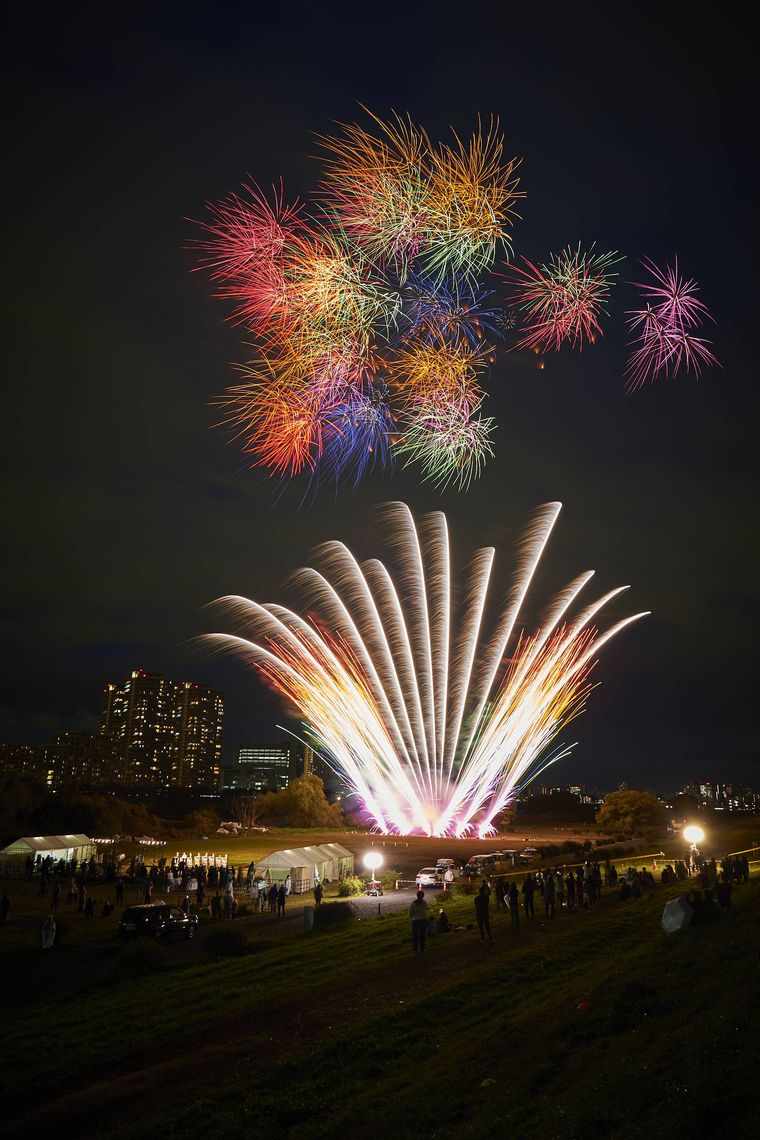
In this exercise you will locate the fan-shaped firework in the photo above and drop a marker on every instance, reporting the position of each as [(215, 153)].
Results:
[(434, 720), (341, 303), (562, 301), (665, 328)]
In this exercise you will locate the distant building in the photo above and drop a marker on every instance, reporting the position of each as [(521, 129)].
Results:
[(81, 758), (164, 733), (269, 767), (27, 758)]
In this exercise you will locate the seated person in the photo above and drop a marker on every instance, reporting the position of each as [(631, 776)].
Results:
[(443, 925)]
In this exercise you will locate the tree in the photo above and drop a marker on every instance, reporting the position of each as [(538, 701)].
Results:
[(302, 804), (246, 808), (630, 813)]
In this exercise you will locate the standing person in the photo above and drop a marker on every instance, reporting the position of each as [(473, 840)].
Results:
[(570, 888), (482, 904), (56, 897), (81, 893), (186, 906), (418, 912), (528, 890), (48, 933), (287, 886), (318, 894), (282, 894), (549, 894), (559, 888), (5, 906), (216, 906), (513, 895), (89, 908), (120, 891), (448, 879), (272, 896), (148, 890)]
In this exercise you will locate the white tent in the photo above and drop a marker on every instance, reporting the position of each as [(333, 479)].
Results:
[(342, 859), (677, 915), (303, 865), (56, 846)]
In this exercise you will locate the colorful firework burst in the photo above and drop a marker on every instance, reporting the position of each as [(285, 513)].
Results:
[(564, 300), (665, 328), (370, 312), (435, 720)]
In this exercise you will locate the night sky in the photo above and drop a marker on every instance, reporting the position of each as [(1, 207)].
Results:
[(127, 510)]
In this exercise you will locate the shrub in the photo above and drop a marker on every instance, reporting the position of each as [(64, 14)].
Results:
[(465, 887), (351, 885), (387, 879), (228, 941), (331, 914)]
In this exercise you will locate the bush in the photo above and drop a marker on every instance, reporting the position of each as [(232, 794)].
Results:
[(332, 914), (228, 941), (465, 887), (387, 880), (351, 885)]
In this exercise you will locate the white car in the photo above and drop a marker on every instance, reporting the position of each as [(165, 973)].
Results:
[(429, 877), (444, 865), (528, 854)]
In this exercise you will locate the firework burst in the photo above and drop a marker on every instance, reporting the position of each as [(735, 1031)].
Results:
[(434, 718), (369, 313), (665, 328), (564, 300)]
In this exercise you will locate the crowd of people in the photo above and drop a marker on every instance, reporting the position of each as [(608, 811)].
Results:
[(579, 889)]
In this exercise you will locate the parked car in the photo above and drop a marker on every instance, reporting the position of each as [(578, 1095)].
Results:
[(157, 920), (478, 867), (429, 877), (529, 854), (444, 865)]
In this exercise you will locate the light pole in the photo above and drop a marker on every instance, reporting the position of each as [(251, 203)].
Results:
[(373, 860), (693, 835)]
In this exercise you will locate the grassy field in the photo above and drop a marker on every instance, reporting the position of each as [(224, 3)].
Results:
[(723, 834), (592, 1025)]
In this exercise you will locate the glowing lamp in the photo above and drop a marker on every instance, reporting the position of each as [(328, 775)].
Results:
[(693, 834), (373, 860)]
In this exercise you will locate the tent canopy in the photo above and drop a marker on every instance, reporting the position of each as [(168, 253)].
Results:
[(57, 846), (305, 865), (291, 857)]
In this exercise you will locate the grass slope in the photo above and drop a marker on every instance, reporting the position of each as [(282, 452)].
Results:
[(345, 1034)]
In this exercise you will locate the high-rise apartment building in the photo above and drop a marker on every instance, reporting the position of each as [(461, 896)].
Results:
[(165, 733)]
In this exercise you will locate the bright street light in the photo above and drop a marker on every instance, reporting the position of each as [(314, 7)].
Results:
[(693, 834), (373, 860)]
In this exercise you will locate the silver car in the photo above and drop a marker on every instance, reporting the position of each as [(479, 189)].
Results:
[(429, 877)]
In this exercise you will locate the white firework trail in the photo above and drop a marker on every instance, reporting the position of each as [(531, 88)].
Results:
[(434, 721)]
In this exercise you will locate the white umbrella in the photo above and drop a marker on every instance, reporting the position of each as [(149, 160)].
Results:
[(677, 915)]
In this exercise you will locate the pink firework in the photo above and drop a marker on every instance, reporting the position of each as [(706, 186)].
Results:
[(665, 328)]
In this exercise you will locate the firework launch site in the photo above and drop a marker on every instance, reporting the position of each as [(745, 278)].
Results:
[(340, 1030)]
